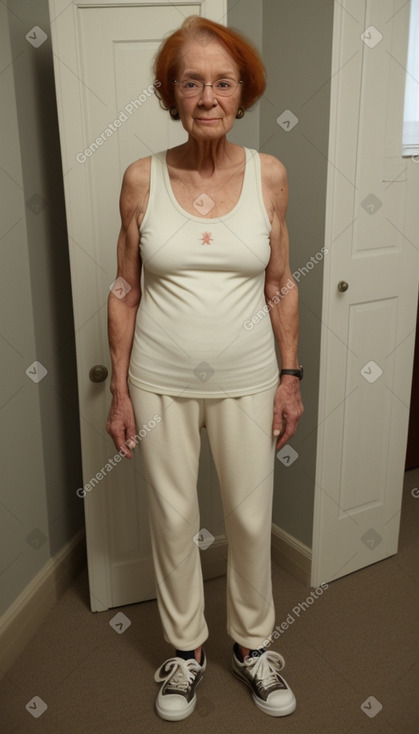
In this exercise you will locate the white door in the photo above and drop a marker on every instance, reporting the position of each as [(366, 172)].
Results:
[(108, 118), (368, 330)]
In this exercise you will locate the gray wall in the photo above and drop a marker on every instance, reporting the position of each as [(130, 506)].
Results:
[(41, 465), (295, 38), (297, 46), (246, 17)]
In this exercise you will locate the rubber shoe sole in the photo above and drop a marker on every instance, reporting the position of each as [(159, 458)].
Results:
[(264, 706), (177, 715)]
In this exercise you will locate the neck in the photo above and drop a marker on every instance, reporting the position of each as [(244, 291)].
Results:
[(205, 156)]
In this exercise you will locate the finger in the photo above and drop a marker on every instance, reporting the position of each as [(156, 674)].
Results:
[(129, 446), (282, 441), (131, 435), (278, 424), (289, 430), (278, 427), (125, 451), (119, 439)]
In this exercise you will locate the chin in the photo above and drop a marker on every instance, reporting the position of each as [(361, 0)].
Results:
[(214, 130)]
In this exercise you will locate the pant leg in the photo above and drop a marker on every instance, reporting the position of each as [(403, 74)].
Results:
[(243, 447), (169, 456)]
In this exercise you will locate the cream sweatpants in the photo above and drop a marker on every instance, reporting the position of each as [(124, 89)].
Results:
[(243, 447)]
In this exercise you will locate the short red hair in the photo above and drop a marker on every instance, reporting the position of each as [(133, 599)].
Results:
[(246, 56)]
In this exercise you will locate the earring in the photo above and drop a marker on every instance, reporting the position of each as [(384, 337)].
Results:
[(174, 114), (240, 113)]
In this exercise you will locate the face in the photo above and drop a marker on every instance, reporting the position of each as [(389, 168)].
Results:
[(207, 116)]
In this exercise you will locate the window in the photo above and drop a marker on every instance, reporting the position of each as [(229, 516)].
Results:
[(410, 142)]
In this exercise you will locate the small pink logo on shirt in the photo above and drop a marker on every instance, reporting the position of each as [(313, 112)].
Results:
[(206, 238)]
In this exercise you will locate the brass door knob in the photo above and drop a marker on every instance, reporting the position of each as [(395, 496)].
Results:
[(98, 373), (342, 286)]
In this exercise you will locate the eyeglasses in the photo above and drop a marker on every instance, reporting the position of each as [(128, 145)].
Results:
[(193, 88)]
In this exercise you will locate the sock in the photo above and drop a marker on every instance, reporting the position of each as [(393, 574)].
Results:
[(252, 653), (187, 655)]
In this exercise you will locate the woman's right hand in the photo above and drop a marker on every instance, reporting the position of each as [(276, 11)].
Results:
[(122, 309), (121, 423)]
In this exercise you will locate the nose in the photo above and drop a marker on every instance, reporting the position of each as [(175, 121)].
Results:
[(207, 94)]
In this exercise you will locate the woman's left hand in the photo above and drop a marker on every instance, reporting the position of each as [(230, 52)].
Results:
[(288, 409)]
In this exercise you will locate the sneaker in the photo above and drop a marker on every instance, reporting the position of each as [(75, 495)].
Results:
[(177, 698), (271, 693)]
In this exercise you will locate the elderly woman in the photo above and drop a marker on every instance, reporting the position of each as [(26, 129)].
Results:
[(195, 346)]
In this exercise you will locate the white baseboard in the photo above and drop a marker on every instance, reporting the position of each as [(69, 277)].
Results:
[(23, 618), (291, 555)]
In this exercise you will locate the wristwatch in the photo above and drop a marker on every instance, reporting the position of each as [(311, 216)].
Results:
[(297, 373)]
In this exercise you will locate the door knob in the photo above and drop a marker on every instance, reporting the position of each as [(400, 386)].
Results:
[(342, 286), (98, 373)]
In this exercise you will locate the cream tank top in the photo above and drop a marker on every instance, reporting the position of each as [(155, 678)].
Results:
[(203, 279)]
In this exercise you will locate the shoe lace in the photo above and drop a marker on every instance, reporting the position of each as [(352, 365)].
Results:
[(181, 673), (265, 668)]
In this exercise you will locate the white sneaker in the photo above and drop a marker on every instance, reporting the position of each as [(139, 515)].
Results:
[(177, 698), (271, 693)]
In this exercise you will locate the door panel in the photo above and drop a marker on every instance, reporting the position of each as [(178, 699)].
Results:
[(362, 481)]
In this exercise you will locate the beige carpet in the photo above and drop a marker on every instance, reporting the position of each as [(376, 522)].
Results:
[(360, 639)]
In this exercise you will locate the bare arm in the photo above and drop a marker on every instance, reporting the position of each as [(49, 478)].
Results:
[(123, 302), (282, 298)]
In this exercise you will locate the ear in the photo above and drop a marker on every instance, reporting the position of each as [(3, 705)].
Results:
[(174, 114)]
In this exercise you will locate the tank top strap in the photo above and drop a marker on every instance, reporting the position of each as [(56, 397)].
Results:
[(252, 185), (157, 177), (156, 202)]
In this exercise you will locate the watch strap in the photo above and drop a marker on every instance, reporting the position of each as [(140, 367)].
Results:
[(296, 373)]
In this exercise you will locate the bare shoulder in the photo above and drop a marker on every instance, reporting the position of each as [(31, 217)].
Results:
[(273, 171), (274, 186), (138, 170), (135, 188)]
